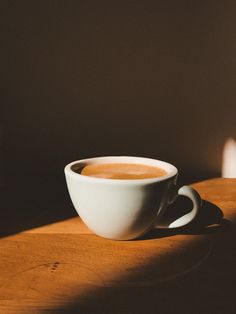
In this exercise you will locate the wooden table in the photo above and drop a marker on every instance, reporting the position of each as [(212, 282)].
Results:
[(63, 268)]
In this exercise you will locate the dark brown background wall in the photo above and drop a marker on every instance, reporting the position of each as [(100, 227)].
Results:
[(89, 78)]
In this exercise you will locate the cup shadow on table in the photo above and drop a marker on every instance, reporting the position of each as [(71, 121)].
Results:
[(210, 220)]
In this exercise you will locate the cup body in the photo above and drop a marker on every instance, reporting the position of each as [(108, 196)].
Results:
[(120, 209)]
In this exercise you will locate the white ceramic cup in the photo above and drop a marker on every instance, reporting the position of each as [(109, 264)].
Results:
[(126, 209)]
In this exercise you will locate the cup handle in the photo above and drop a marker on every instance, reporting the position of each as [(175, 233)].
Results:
[(193, 195)]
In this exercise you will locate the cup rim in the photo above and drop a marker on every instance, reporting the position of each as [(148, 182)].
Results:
[(171, 173)]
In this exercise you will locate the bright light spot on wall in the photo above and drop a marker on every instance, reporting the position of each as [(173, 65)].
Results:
[(229, 159)]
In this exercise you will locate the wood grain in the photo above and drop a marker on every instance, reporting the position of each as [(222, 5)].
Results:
[(64, 268)]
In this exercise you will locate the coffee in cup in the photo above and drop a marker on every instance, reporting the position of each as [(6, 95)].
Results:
[(123, 197), (123, 171)]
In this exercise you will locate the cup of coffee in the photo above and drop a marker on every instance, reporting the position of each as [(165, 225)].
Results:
[(121, 197)]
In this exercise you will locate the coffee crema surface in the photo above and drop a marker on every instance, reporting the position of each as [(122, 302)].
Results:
[(123, 171)]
